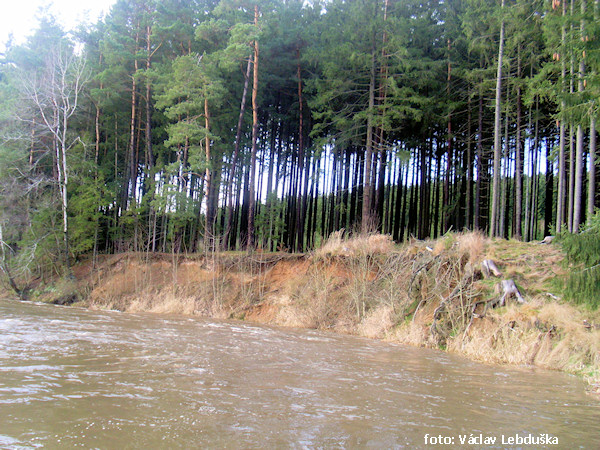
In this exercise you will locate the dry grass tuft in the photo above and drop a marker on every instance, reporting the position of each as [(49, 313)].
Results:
[(340, 244), (412, 333), (378, 322), (473, 244)]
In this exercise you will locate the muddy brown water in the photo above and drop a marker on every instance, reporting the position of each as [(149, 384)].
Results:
[(72, 377)]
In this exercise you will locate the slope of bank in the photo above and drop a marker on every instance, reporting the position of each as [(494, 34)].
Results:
[(446, 293)]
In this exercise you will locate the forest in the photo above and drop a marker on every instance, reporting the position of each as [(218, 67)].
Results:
[(187, 125)]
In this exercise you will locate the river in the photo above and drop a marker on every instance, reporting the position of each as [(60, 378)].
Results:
[(71, 377)]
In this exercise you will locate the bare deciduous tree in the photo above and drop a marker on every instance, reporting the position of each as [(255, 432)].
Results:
[(54, 94)]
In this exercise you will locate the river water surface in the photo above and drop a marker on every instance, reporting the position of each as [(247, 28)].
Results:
[(71, 377)]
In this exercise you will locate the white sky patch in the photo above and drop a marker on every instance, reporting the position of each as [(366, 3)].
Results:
[(20, 17)]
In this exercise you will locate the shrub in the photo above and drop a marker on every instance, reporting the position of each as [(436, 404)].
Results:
[(583, 252)]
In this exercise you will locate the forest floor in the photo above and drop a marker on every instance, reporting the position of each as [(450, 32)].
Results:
[(426, 293)]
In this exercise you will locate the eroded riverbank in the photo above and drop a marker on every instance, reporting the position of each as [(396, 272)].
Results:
[(367, 288)]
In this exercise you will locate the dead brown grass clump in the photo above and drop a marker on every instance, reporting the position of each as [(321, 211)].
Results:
[(473, 244), (378, 322), (341, 244)]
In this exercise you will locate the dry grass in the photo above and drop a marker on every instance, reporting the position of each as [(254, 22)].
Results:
[(341, 244), (412, 333), (472, 244), (378, 323), (541, 333)]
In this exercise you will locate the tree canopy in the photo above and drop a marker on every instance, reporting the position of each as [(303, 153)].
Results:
[(182, 125)]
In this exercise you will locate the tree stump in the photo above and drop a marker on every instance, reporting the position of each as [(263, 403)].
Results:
[(508, 288)]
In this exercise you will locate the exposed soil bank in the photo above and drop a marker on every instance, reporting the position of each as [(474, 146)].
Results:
[(422, 293)]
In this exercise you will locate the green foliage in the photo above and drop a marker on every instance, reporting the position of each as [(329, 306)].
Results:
[(160, 118), (583, 253)]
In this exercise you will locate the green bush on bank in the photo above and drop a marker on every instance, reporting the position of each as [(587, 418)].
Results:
[(583, 252)]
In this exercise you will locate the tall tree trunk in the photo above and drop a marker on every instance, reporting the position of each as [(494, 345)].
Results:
[(398, 203), (252, 200), (234, 158), (367, 219), (571, 179), (533, 200), (592, 172), (519, 159), (549, 190), (300, 202), (494, 228), (380, 195), (577, 213), (570, 213), (210, 214), (132, 129), (478, 182), (149, 154), (354, 193), (562, 191), (64, 195), (96, 155), (448, 171), (469, 167), (404, 201)]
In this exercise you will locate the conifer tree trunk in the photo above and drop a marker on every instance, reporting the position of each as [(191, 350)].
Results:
[(571, 179), (469, 168), (579, 144), (571, 134), (354, 194), (208, 182), (592, 172), (494, 222), (549, 191), (592, 149), (518, 160), (300, 202), (533, 200), (252, 181), (367, 220), (398, 203), (448, 171), (149, 156), (229, 226), (478, 182), (132, 128), (504, 173), (561, 194), (381, 185)]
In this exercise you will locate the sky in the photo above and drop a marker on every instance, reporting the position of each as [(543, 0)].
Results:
[(19, 17)]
